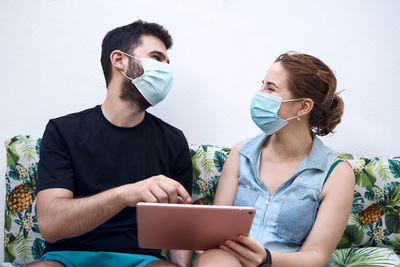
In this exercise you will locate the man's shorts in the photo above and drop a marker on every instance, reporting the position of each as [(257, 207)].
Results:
[(98, 259)]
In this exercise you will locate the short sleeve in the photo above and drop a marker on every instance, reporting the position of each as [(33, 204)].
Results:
[(182, 168), (55, 164)]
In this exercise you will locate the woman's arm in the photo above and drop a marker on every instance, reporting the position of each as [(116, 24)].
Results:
[(330, 223), (229, 179)]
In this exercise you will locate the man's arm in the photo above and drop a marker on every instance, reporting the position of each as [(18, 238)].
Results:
[(62, 216)]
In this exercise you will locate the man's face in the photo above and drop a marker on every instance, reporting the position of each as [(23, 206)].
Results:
[(149, 47)]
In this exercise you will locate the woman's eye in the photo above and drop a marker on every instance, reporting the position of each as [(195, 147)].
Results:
[(157, 58), (271, 89)]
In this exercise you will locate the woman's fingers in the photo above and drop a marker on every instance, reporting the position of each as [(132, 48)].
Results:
[(242, 259), (250, 252), (252, 244)]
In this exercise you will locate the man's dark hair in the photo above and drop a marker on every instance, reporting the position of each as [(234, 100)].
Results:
[(127, 38)]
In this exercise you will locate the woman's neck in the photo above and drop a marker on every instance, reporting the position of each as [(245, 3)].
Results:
[(288, 144)]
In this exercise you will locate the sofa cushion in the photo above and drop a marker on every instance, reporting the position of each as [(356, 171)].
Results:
[(207, 161), (22, 241), (374, 220)]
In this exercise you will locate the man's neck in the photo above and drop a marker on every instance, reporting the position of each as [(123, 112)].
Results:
[(119, 112)]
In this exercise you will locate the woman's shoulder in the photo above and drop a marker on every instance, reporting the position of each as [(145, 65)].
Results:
[(237, 146), (341, 179), (344, 169), (249, 145)]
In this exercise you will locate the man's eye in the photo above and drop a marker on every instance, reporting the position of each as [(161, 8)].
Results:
[(271, 89), (157, 58)]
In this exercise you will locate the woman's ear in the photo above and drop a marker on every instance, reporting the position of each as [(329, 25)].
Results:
[(306, 106), (118, 60)]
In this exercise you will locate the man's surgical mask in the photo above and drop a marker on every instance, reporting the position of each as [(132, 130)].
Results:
[(155, 82), (264, 112)]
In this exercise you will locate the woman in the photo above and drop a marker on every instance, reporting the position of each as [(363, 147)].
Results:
[(301, 190)]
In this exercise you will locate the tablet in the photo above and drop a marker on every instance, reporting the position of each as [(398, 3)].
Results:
[(190, 227)]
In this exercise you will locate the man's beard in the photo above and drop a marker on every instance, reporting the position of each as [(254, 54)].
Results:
[(129, 92)]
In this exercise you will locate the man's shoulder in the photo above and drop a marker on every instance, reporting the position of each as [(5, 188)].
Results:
[(164, 125), (72, 118)]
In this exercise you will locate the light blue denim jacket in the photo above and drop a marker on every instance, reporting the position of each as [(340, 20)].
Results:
[(282, 221)]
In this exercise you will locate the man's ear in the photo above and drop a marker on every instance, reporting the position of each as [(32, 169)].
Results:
[(119, 60), (306, 106)]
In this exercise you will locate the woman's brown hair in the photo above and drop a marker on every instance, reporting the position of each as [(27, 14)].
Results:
[(309, 77)]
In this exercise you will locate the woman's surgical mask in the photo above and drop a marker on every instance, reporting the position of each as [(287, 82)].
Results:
[(264, 112), (156, 80)]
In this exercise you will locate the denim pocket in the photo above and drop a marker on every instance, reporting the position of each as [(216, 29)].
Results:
[(297, 213), (245, 196)]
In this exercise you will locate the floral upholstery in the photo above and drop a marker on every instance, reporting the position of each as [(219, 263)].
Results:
[(22, 240), (208, 162), (370, 239), (375, 220)]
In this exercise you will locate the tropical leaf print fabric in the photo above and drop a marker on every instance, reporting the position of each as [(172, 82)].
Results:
[(22, 240), (375, 220), (363, 257), (208, 162), (371, 238)]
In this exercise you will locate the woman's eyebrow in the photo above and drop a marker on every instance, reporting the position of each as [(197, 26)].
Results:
[(271, 83)]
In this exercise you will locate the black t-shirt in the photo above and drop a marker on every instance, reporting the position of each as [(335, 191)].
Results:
[(85, 153)]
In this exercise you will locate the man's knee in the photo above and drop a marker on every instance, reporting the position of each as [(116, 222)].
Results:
[(217, 257), (161, 264), (45, 264)]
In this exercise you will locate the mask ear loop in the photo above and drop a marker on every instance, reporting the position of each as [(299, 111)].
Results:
[(130, 57), (129, 78), (298, 118), (292, 100)]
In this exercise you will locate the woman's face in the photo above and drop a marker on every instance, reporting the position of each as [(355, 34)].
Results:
[(276, 83)]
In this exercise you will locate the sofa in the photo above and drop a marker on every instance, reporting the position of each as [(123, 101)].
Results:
[(371, 238)]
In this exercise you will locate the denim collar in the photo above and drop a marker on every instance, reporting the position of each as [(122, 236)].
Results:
[(317, 159)]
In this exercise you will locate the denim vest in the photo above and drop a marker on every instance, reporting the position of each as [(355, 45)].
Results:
[(282, 222)]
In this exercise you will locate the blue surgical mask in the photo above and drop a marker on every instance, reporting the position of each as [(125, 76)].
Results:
[(264, 112), (155, 82)]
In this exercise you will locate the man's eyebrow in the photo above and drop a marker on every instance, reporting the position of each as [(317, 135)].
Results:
[(160, 54)]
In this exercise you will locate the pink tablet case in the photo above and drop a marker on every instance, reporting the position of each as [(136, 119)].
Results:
[(190, 227)]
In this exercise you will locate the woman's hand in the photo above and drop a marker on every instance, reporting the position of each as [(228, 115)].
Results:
[(249, 251)]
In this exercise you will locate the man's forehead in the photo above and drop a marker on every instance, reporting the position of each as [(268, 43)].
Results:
[(151, 43)]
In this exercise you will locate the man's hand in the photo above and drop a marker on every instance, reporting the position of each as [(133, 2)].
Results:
[(249, 251), (155, 189)]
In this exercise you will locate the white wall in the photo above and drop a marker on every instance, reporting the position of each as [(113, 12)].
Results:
[(50, 64)]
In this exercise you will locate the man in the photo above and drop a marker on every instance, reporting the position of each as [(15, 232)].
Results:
[(96, 165)]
